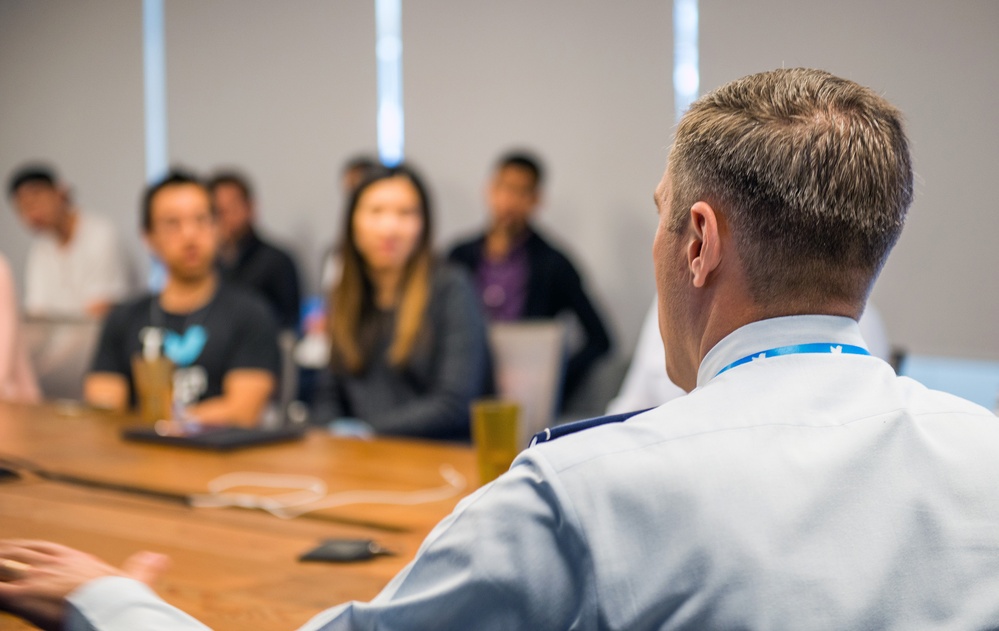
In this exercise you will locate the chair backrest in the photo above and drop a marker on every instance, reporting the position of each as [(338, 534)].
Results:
[(288, 379), (60, 350), (529, 365)]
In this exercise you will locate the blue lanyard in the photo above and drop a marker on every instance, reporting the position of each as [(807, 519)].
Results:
[(798, 349)]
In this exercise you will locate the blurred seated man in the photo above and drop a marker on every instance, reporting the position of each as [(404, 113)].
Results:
[(246, 259), (222, 339), (76, 265), (519, 274), (646, 384)]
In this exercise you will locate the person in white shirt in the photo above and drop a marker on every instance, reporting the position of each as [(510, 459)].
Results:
[(646, 385), (800, 484), (76, 266)]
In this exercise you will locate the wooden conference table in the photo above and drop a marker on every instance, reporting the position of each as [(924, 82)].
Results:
[(232, 568)]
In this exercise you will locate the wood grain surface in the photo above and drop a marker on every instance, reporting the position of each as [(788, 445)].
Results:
[(232, 568)]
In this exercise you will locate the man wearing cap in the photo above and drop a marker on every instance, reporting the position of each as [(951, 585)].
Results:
[(76, 266)]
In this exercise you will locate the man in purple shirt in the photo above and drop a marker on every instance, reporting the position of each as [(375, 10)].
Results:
[(518, 274)]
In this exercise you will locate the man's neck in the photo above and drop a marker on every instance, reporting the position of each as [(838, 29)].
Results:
[(727, 318), (187, 295), (65, 228), (502, 238)]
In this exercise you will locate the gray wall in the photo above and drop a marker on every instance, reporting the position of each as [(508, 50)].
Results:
[(588, 86), (938, 62), (287, 91), (283, 90), (71, 92)]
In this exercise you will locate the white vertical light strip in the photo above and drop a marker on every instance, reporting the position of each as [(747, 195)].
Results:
[(154, 75), (154, 79), (686, 69), (388, 52)]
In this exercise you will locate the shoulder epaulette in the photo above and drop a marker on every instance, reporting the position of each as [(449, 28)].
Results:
[(558, 431)]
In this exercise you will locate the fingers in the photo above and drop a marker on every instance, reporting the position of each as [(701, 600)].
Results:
[(19, 555), (146, 566), (37, 576), (45, 547), (24, 555), (11, 570), (16, 559), (31, 551)]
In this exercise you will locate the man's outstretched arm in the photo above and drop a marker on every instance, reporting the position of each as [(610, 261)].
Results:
[(510, 556), (40, 582)]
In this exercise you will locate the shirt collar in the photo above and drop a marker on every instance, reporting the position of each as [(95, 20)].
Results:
[(762, 335)]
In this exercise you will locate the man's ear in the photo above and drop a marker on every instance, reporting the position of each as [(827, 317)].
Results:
[(704, 252)]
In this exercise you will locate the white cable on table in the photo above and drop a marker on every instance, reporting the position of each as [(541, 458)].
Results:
[(310, 493)]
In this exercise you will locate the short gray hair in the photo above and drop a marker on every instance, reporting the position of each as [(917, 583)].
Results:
[(813, 172)]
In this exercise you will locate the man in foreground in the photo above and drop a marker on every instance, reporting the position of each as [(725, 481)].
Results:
[(800, 484), (221, 340)]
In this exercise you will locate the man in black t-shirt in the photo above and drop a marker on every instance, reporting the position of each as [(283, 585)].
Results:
[(222, 340)]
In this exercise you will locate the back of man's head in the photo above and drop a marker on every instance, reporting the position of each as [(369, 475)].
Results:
[(812, 171), (176, 177), (31, 173)]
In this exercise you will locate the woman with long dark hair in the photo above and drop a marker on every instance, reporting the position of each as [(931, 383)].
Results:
[(408, 341)]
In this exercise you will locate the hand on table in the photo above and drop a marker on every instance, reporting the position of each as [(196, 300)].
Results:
[(37, 576)]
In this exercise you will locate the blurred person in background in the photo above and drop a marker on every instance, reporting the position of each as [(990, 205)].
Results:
[(76, 266), (519, 275), (408, 341), (245, 258), (353, 173), (312, 353), (221, 339)]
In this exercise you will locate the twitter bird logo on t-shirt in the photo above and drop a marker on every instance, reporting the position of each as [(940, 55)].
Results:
[(184, 350)]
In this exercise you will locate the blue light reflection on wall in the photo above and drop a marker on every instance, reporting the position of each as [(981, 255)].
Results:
[(154, 79), (388, 53), (154, 76), (686, 71)]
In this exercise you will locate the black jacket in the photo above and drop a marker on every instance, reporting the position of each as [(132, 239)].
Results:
[(269, 271)]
